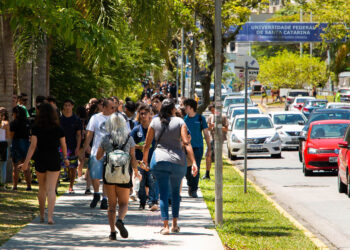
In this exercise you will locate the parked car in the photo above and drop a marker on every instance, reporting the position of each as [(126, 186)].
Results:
[(263, 138), (233, 106), (199, 91), (338, 105), (319, 115), (299, 102), (224, 91), (310, 105), (229, 100), (292, 94), (343, 164), (344, 94), (291, 124), (321, 149), (240, 111)]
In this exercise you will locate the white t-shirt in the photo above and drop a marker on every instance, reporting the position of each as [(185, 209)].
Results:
[(97, 125)]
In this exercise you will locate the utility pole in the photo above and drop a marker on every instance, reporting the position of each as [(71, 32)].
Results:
[(177, 72), (245, 125), (311, 43), (218, 116), (193, 62), (301, 20), (182, 62)]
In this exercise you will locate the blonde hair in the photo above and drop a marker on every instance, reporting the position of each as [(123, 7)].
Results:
[(116, 127)]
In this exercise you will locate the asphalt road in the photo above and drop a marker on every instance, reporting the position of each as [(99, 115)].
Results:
[(314, 201)]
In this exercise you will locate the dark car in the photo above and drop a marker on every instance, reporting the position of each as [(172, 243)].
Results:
[(311, 105), (319, 115)]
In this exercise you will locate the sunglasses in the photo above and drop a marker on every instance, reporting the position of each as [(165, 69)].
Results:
[(144, 113)]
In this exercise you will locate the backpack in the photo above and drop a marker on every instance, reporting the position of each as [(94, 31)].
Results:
[(117, 165)]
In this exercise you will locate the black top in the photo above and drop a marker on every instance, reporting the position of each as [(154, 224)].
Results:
[(20, 129), (70, 127), (48, 138)]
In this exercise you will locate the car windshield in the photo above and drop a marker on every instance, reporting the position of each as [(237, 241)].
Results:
[(327, 131), (235, 101), (288, 119), (301, 100), (241, 112), (318, 104), (329, 116), (254, 123), (344, 91), (301, 93)]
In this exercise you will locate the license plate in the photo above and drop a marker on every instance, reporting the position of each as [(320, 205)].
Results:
[(333, 159), (255, 146), (295, 140)]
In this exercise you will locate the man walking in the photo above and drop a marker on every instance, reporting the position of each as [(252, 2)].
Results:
[(197, 124), (96, 130), (210, 158), (72, 128)]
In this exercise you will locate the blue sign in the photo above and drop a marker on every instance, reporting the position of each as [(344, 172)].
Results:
[(280, 32)]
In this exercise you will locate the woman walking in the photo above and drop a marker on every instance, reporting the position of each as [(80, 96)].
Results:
[(169, 160), (19, 131), (47, 136), (117, 137), (4, 137)]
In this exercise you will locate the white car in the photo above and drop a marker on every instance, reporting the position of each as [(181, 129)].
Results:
[(224, 91), (262, 139), (299, 102), (229, 100), (291, 124), (240, 111), (233, 106), (338, 105)]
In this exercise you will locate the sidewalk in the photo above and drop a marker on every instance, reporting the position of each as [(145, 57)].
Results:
[(77, 226)]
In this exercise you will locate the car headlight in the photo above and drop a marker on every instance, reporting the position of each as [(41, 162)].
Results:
[(312, 150), (235, 139), (275, 138)]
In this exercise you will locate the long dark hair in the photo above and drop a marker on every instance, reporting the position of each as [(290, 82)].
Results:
[(166, 110), (21, 114), (47, 117)]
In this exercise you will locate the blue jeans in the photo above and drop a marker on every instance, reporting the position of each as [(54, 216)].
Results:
[(164, 172), (148, 178), (3, 165), (192, 182)]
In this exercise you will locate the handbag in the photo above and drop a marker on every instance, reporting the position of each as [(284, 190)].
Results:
[(116, 170), (3, 150)]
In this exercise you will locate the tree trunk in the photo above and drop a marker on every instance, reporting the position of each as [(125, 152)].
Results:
[(40, 72), (7, 59), (24, 80)]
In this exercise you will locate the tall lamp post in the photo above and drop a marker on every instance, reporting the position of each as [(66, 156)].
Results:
[(218, 116)]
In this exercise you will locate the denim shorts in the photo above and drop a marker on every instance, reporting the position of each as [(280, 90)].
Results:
[(19, 149), (95, 167)]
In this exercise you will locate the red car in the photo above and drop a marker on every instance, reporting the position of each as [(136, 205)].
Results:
[(344, 163), (321, 147)]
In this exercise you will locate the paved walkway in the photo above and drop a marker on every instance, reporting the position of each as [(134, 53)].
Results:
[(77, 226)]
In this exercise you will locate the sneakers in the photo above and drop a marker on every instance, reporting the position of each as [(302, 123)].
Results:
[(142, 207), (113, 236), (95, 200), (154, 208), (133, 197), (205, 177), (194, 194), (120, 225), (87, 191), (29, 188), (104, 204)]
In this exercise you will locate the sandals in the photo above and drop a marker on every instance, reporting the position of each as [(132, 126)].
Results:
[(164, 231), (175, 229)]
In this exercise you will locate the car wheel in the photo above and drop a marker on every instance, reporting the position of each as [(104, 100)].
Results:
[(348, 185), (341, 186), (300, 155), (228, 153), (276, 155), (306, 171), (233, 157)]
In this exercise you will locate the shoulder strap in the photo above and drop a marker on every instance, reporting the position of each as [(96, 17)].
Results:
[(201, 121)]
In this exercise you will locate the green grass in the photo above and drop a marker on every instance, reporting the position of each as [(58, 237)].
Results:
[(18, 208), (250, 221)]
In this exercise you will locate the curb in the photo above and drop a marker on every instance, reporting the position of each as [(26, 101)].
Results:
[(319, 244), (262, 107)]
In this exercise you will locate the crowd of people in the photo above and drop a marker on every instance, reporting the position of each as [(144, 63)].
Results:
[(140, 149)]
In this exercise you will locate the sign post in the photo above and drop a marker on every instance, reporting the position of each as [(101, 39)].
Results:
[(218, 116)]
